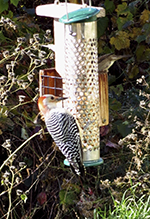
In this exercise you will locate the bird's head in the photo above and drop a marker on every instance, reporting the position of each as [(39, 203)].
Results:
[(48, 101)]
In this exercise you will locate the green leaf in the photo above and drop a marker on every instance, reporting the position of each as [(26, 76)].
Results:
[(67, 197), (125, 21), (114, 104), (122, 9), (3, 5), (132, 6), (111, 79), (139, 52), (109, 6), (140, 38), (102, 24), (14, 2), (121, 40), (2, 37), (133, 72), (142, 53), (28, 161), (124, 129), (117, 89)]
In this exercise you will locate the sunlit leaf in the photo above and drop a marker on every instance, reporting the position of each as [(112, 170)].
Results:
[(145, 16), (121, 40), (124, 21), (121, 8), (14, 2), (125, 17), (136, 31)]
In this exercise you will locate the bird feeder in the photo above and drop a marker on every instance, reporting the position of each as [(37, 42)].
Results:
[(76, 63)]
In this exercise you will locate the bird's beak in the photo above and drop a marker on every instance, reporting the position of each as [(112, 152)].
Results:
[(61, 98)]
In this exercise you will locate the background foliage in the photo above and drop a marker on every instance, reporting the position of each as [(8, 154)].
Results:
[(34, 181)]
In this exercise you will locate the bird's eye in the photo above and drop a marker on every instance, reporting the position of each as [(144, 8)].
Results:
[(52, 98)]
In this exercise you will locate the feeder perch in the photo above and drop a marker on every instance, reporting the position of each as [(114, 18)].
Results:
[(76, 63)]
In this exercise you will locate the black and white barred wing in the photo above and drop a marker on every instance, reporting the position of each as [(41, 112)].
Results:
[(65, 132)]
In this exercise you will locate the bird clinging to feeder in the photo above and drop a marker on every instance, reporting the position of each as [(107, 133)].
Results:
[(107, 60), (64, 130)]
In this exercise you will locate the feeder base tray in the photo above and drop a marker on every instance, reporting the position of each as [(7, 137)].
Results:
[(88, 163)]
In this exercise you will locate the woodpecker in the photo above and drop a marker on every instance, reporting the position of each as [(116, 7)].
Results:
[(107, 60), (64, 130)]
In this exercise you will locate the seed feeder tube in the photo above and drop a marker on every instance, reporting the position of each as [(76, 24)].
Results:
[(76, 61)]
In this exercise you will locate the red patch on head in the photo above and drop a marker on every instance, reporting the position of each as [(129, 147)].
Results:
[(41, 104)]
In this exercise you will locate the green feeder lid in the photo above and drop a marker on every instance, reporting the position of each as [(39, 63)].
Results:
[(79, 15), (88, 163)]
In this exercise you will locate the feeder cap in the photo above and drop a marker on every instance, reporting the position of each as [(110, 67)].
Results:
[(83, 14)]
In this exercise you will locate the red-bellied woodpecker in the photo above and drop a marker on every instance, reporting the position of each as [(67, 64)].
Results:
[(64, 130)]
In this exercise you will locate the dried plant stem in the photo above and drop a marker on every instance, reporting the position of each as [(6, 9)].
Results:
[(25, 142), (9, 195)]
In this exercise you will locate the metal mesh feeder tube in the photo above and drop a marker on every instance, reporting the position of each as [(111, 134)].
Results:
[(81, 85)]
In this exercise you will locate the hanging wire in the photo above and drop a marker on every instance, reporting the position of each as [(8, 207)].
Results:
[(90, 4), (67, 10)]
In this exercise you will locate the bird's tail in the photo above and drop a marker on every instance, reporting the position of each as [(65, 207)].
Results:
[(82, 172), (79, 171)]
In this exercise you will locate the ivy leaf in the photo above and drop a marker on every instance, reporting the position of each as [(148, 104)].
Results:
[(14, 2), (3, 5), (117, 89), (102, 24), (145, 16), (146, 28), (67, 197), (124, 129), (109, 6), (125, 17), (133, 6), (139, 52), (114, 104), (133, 72), (143, 53), (140, 38), (136, 31), (121, 40), (125, 21)]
